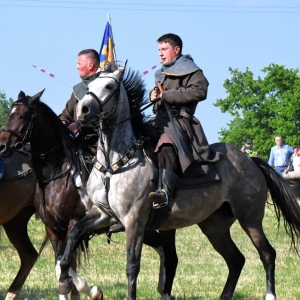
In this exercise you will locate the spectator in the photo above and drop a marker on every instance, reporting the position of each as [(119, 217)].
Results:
[(296, 158), (248, 148), (280, 155)]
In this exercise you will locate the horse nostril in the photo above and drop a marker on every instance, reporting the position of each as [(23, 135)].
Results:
[(85, 110)]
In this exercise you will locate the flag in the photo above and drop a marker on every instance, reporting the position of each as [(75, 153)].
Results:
[(106, 53)]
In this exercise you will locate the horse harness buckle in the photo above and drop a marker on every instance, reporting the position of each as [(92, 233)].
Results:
[(174, 112), (121, 162)]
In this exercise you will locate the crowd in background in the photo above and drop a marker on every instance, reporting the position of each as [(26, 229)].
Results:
[(283, 158)]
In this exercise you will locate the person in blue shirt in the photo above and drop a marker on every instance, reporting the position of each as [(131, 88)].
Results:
[(280, 155)]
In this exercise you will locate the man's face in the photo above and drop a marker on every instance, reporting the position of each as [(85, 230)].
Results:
[(278, 141), (167, 52), (297, 151), (249, 145), (84, 66)]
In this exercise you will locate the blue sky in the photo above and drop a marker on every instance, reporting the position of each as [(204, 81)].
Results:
[(217, 34)]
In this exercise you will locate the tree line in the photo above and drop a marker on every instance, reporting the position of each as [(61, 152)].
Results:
[(262, 108), (5, 105)]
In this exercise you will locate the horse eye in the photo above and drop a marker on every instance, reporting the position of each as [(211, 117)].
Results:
[(109, 86), (22, 117)]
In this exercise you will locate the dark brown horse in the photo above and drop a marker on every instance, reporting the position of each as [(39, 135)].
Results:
[(61, 204), (17, 194)]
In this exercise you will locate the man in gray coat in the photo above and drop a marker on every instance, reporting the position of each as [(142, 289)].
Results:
[(183, 150)]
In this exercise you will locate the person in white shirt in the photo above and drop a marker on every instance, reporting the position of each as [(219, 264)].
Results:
[(280, 155)]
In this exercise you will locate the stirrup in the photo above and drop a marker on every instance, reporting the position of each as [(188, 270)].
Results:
[(161, 205)]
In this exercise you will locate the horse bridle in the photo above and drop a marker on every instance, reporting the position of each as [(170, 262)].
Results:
[(103, 115), (19, 146), (100, 103), (25, 137)]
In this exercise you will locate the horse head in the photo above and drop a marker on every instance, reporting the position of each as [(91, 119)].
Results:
[(101, 101), (17, 129)]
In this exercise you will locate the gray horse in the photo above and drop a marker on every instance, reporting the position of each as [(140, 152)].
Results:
[(121, 181)]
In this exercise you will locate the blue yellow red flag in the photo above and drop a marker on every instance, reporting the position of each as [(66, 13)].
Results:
[(106, 53)]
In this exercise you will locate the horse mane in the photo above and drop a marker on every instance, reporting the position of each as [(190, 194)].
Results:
[(68, 145), (137, 97)]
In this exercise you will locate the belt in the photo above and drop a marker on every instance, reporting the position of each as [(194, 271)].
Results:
[(175, 112)]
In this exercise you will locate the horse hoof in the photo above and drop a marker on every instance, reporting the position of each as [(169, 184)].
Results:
[(270, 297), (96, 293), (12, 296), (65, 288)]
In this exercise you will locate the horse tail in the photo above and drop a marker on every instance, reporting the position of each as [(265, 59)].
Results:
[(284, 201), (82, 251), (43, 245)]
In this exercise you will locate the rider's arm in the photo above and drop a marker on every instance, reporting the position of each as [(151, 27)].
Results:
[(67, 115), (193, 89)]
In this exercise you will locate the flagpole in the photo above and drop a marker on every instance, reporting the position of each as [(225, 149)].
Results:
[(115, 54)]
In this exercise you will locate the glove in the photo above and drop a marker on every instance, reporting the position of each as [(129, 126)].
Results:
[(74, 129)]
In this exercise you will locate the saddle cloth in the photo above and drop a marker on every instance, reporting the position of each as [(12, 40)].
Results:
[(14, 167)]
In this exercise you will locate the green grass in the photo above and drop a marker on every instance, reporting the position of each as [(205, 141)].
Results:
[(201, 272)]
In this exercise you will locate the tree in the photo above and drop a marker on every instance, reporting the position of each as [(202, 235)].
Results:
[(4, 108), (262, 108)]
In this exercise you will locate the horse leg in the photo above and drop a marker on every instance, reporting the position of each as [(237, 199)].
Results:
[(171, 261), (152, 239), (134, 244), (164, 244), (266, 252), (81, 285), (16, 231), (216, 228), (57, 245), (93, 221)]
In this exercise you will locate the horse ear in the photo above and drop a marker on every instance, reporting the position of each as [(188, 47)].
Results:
[(36, 97), (120, 72), (21, 95), (124, 67)]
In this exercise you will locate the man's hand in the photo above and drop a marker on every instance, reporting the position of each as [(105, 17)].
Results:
[(74, 129), (155, 95)]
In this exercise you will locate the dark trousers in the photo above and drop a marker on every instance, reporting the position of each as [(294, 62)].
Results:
[(167, 158)]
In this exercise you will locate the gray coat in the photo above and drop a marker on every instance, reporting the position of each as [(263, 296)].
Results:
[(182, 93)]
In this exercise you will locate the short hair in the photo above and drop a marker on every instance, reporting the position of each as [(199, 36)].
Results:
[(92, 54), (172, 39)]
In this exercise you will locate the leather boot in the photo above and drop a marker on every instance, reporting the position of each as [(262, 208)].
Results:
[(166, 188)]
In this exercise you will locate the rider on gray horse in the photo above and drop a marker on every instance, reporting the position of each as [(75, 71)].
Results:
[(182, 148)]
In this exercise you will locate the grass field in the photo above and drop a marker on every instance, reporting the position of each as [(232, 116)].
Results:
[(201, 272)]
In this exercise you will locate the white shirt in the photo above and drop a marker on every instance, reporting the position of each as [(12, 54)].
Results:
[(296, 163)]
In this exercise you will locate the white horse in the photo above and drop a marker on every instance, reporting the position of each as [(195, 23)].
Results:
[(122, 180)]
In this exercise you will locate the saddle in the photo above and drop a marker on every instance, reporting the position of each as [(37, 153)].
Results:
[(189, 181), (14, 167)]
